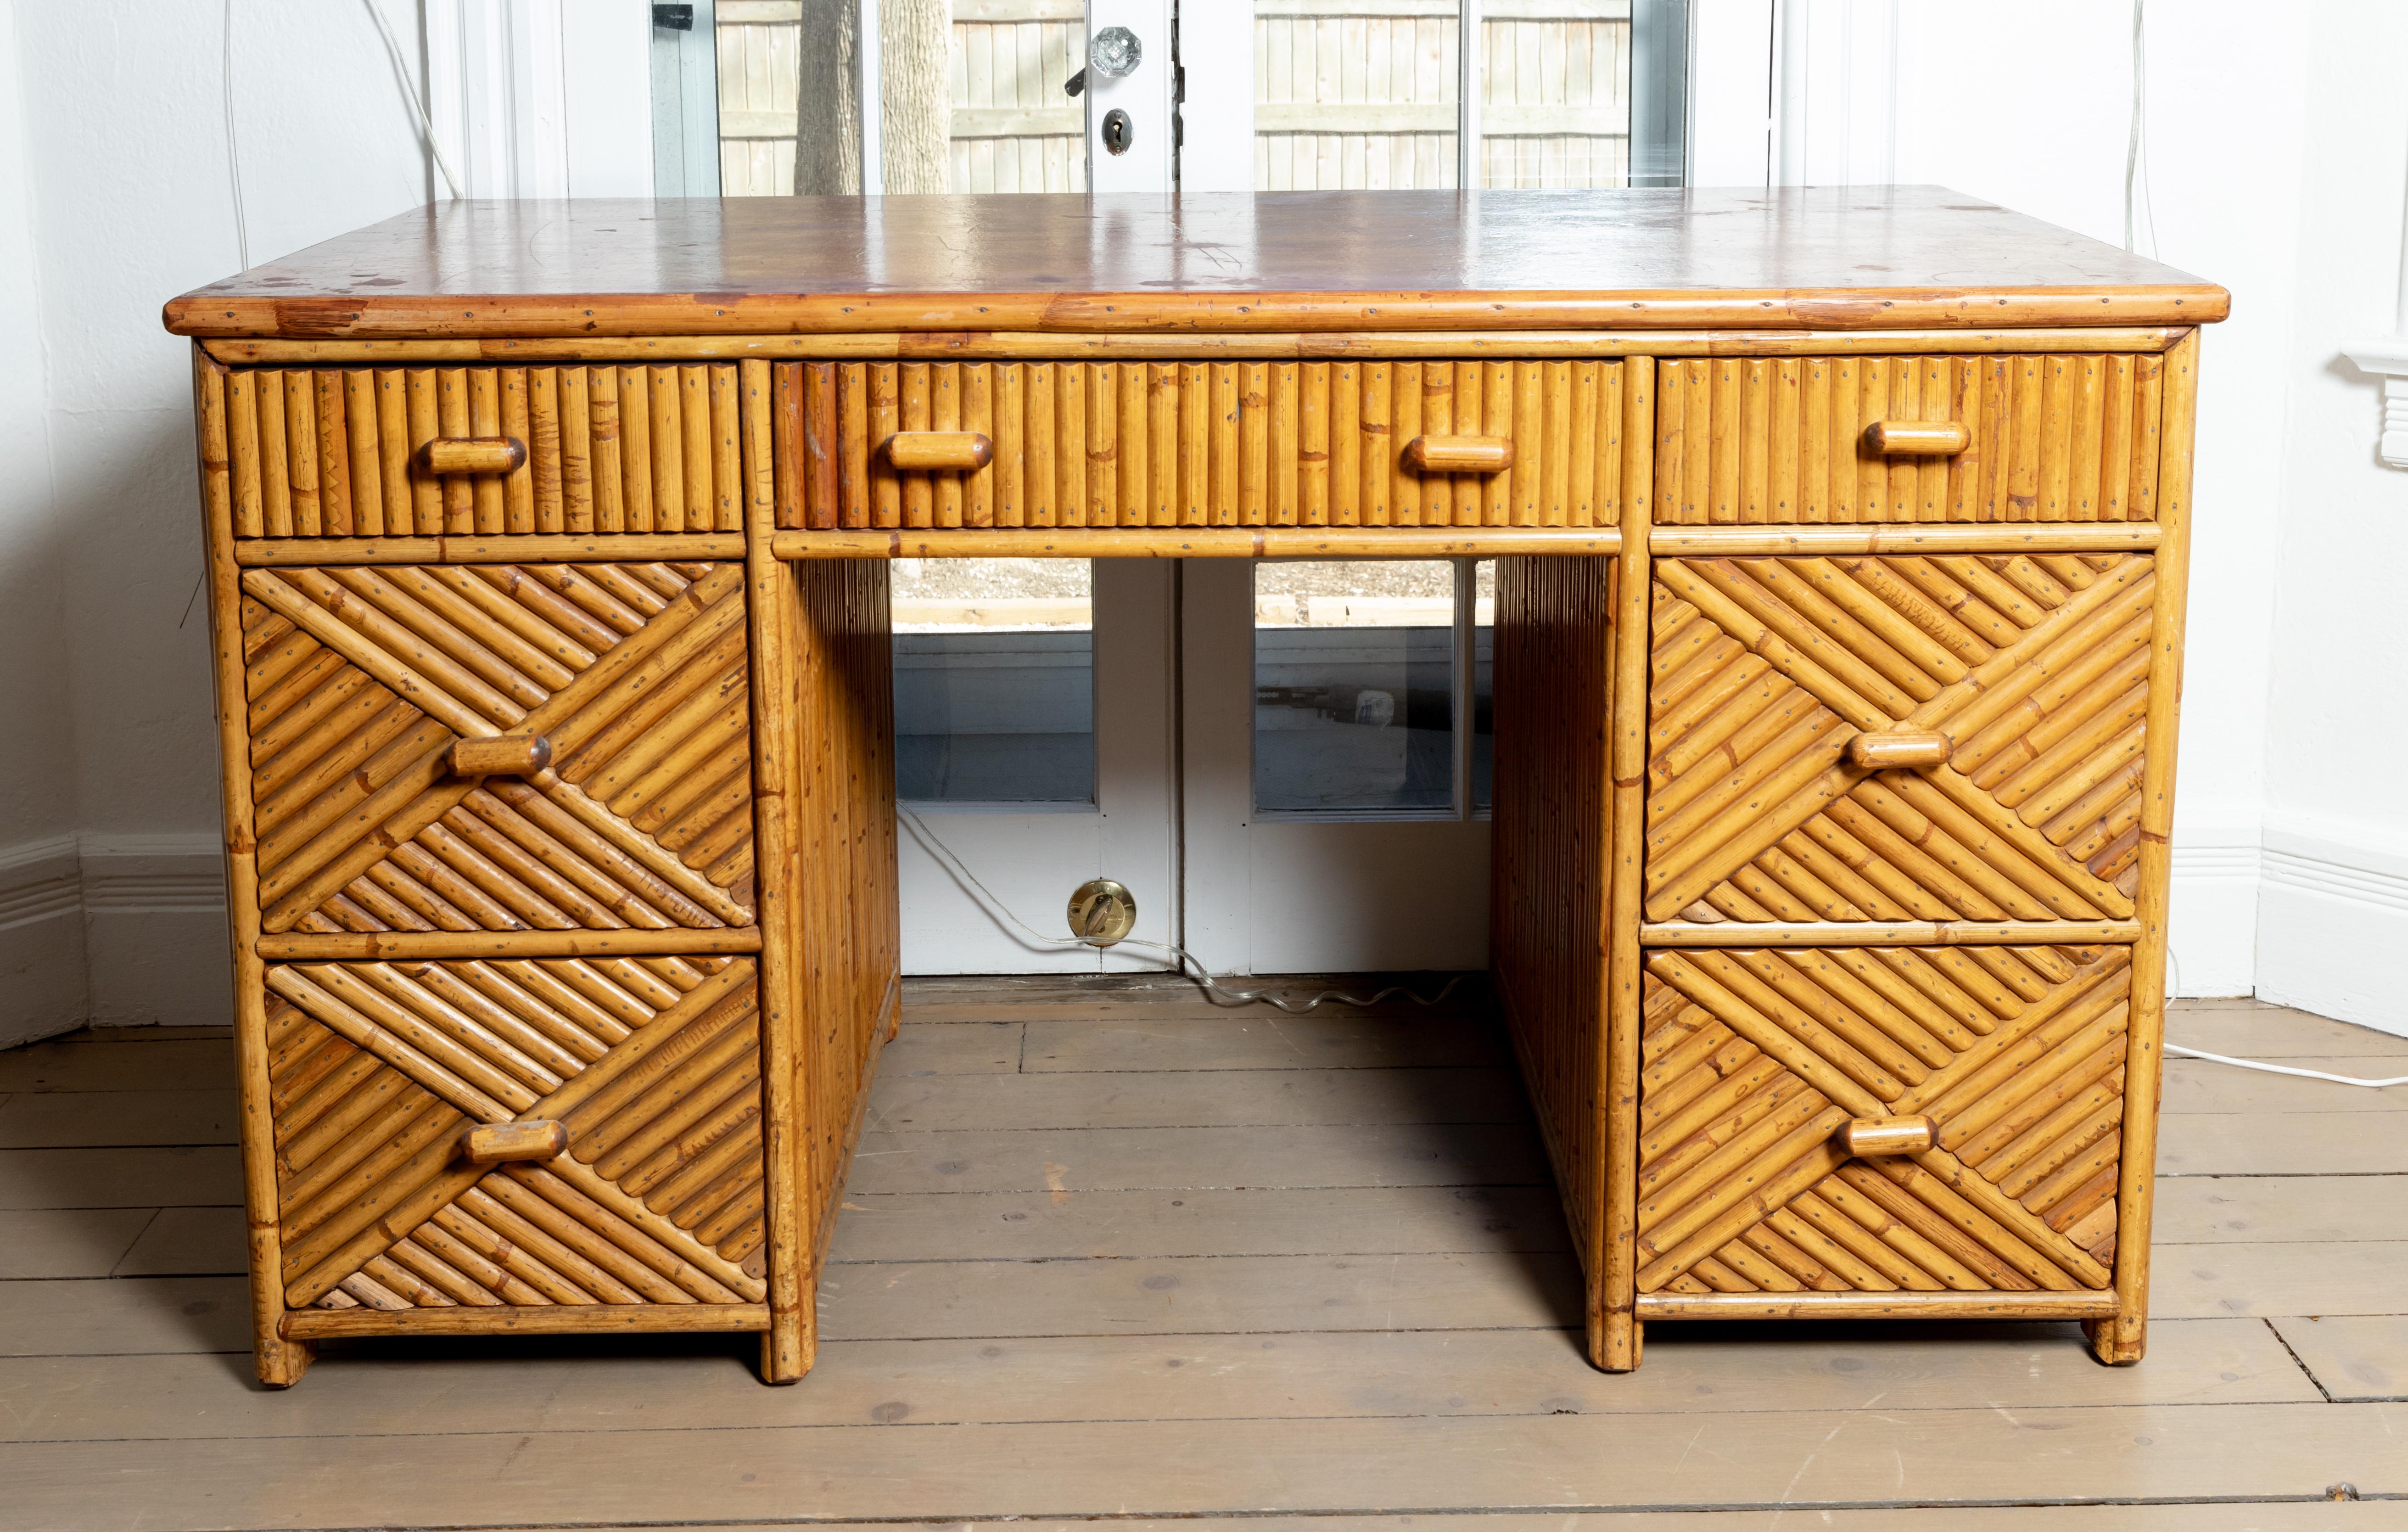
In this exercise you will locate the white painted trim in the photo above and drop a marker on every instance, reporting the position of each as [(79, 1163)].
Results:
[(1730, 95), (2387, 357), (2332, 921), (1835, 92), (497, 79), (42, 978), (1216, 149)]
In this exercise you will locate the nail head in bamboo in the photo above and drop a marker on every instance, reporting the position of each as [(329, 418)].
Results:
[(505, 755), (1866, 1135), (938, 452), (1459, 454), (1894, 748), (473, 456), (501, 1143)]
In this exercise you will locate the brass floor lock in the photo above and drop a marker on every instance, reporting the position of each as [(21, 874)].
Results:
[(1102, 911)]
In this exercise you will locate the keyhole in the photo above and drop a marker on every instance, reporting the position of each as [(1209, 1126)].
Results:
[(1118, 131)]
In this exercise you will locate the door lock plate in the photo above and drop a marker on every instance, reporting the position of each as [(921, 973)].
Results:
[(1102, 912)]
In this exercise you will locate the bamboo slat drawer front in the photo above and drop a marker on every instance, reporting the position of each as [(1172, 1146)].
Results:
[(345, 451), (364, 682), (1205, 444), (2049, 437), (1876, 738), (1754, 1064), (381, 1072)]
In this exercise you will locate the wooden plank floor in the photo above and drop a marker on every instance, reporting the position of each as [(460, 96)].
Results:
[(1127, 1257)]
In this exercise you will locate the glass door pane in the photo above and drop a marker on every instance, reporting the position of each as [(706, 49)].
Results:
[(1354, 94), (1355, 687), (971, 94), (994, 681), (1555, 96)]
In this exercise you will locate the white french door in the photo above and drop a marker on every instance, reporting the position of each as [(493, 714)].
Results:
[(1285, 765), (1334, 770), (1035, 742)]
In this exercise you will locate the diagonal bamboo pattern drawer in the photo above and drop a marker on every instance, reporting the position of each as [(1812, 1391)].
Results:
[(1771, 440), (651, 1066), (1754, 1063), (1201, 444), (340, 452), (1768, 674), (360, 681)]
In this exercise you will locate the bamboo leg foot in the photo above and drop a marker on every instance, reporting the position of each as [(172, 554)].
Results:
[(2118, 1342), (281, 1362), (1613, 1343), (785, 1350)]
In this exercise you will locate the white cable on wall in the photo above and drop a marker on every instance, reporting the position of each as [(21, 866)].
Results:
[(2136, 180), (409, 89), (234, 149)]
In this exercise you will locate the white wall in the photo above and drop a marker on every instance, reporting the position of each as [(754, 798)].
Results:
[(2056, 149), (2333, 912), (119, 163), (2276, 145)]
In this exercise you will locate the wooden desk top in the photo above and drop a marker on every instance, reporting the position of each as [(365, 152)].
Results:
[(1797, 258)]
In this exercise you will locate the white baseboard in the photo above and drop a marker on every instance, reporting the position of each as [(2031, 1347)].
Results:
[(42, 985), (2332, 924), (2213, 929), (155, 932), (112, 931)]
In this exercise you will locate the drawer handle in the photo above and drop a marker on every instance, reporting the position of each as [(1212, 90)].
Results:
[(1918, 439), (1864, 1136), (472, 454), (507, 755), (499, 1144), (1459, 454), (938, 452), (1899, 748)]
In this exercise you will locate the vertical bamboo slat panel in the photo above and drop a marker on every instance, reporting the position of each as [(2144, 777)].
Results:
[(1552, 842), (851, 970), (333, 452), (1214, 444), (1752, 441)]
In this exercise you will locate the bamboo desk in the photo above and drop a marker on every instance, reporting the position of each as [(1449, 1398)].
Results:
[(1842, 541)]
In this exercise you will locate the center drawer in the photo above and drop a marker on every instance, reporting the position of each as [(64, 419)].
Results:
[(621, 799), (1883, 737), (1202, 444)]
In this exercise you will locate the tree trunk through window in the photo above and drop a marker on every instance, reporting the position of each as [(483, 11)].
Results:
[(828, 99), (914, 42)]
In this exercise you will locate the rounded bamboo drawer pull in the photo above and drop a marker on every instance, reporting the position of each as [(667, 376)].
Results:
[(938, 452), (1918, 439), (509, 755), (1889, 1136), (498, 1144), (472, 454), (1899, 748), (1459, 454)]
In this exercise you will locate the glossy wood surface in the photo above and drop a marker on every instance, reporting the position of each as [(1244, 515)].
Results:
[(1820, 257)]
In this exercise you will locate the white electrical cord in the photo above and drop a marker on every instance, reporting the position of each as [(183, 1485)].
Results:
[(234, 150), (409, 89), (2136, 183), (1187, 964), (2180, 1051)]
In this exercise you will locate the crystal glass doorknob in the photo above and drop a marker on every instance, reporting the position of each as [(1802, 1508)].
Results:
[(1114, 52)]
